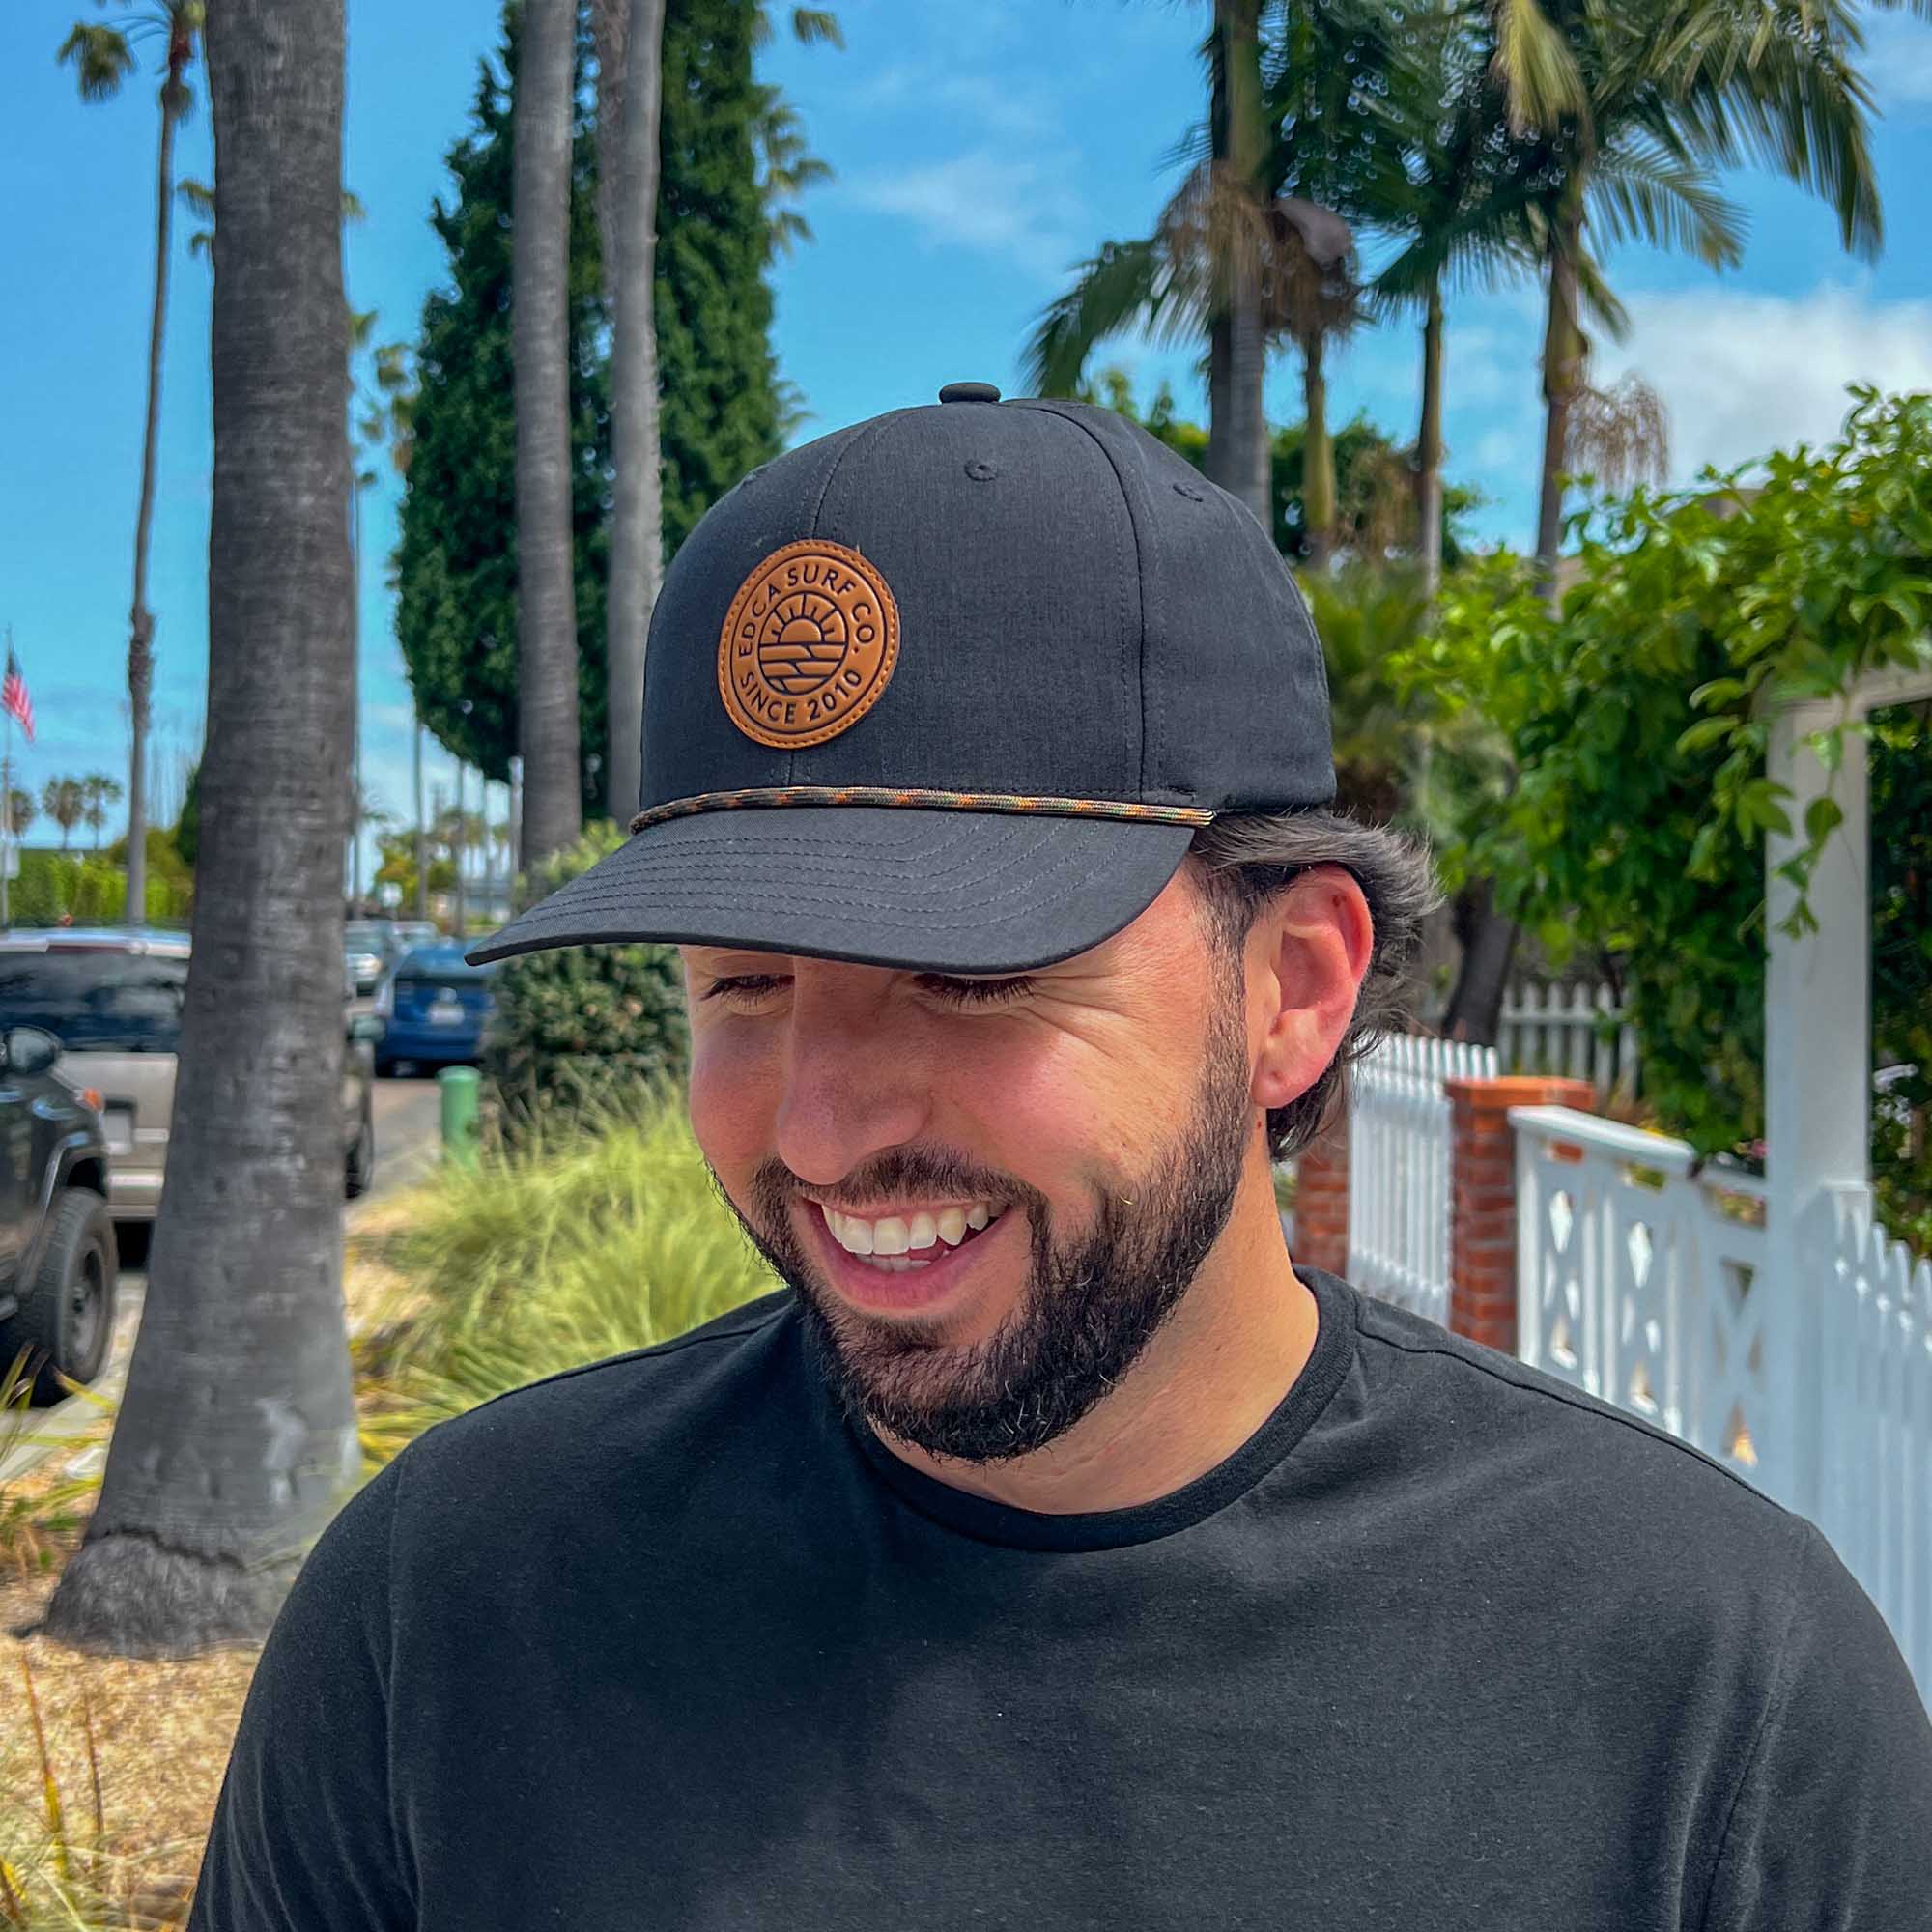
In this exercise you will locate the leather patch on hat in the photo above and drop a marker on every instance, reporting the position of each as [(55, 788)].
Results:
[(808, 644)]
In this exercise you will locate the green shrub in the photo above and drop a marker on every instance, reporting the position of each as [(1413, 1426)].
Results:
[(573, 1246), (93, 888), (584, 1027)]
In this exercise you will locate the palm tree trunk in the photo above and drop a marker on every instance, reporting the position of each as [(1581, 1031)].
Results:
[(548, 734), (637, 514), (1429, 450), (236, 1435), (1237, 36), (1220, 403), (356, 690), (141, 632), (1562, 376), (1318, 458)]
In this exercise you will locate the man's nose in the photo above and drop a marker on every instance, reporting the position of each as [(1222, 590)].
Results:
[(854, 1083)]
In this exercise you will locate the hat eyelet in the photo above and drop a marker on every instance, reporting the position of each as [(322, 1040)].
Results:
[(981, 472), (1188, 490)]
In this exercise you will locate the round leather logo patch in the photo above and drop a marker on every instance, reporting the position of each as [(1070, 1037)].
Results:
[(808, 644)]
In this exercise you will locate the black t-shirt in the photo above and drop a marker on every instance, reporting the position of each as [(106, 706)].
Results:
[(667, 1642)]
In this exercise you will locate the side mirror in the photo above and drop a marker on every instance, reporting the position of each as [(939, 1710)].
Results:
[(365, 1026), (30, 1050)]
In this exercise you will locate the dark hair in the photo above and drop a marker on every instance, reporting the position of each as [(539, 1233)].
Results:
[(1243, 860)]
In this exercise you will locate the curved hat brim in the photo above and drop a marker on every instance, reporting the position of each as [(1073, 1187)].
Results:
[(930, 890)]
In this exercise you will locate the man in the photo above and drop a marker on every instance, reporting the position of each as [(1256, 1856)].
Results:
[(1050, 1551)]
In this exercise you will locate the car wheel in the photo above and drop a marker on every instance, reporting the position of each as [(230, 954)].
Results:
[(65, 1318), (359, 1170), (385, 1069)]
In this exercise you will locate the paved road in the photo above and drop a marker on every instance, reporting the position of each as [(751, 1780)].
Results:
[(407, 1137)]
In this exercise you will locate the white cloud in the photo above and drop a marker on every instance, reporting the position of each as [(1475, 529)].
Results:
[(1742, 373), (1013, 205), (1898, 62)]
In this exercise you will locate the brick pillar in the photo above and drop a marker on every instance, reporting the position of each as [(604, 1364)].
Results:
[(1482, 1197), (1322, 1199)]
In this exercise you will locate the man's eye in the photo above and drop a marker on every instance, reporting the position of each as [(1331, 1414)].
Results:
[(747, 986), (976, 992)]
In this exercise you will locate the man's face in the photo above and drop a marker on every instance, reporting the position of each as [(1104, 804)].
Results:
[(1037, 1166)]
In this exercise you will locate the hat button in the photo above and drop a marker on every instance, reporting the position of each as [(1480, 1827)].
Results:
[(969, 392)]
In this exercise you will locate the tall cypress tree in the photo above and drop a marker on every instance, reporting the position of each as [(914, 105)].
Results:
[(713, 308), (455, 562)]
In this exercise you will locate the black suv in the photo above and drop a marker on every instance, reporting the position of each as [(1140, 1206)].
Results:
[(57, 1254)]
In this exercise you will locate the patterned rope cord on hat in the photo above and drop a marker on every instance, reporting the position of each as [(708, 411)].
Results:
[(921, 801)]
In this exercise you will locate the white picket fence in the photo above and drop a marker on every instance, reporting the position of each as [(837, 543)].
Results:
[(1807, 1371), (1562, 1030), (1399, 1167)]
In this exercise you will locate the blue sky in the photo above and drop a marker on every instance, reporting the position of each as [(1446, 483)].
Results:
[(980, 147)]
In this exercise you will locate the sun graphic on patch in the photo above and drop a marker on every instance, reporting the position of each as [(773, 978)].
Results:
[(808, 644)]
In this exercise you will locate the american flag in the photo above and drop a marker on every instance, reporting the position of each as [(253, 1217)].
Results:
[(13, 696)]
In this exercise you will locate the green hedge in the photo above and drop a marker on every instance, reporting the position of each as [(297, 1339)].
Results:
[(93, 888), (582, 1027)]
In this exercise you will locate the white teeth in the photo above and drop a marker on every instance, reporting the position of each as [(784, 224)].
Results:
[(895, 1263), (853, 1236), (896, 1234)]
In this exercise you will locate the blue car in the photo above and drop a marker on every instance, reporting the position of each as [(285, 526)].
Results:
[(434, 1007)]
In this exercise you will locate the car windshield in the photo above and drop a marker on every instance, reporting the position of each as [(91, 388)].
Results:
[(365, 939), (103, 1000)]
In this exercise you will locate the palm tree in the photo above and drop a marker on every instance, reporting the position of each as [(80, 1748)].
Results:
[(546, 591), (103, 58), (64, 802), (98, 792), (1460, 211), (627, 201), (22, 812), (1251, 248), (237, 1433), (1638, 106)]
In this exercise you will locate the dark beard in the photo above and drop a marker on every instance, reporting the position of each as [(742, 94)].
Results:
[(1089, 1308)]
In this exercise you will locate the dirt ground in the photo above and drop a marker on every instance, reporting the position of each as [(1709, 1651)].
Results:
[(162, 1731)]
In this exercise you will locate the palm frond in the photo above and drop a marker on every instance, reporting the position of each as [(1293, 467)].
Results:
[(1537, 68), (1776, 82), (1637, 192), (1598, 299), (197, 196), (1126, 284), (1620, 434), (810, 25), (101, 58)]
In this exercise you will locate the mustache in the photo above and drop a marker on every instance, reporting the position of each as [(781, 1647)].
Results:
[(931, 1172)]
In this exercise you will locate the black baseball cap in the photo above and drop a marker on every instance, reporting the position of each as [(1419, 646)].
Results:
[(951, 690)]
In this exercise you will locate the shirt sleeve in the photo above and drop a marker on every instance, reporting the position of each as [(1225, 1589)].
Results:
[(305, 1837), (1832, 1827)]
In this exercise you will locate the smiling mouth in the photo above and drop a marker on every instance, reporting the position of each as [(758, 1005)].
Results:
[(899, 1244)]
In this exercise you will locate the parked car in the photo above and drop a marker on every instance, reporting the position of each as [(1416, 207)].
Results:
[(368, 948), (57, 1254), (433, 1006), (113, 996)]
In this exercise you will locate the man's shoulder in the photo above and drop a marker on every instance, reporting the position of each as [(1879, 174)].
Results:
[(1555, 1451), (643, 1407)]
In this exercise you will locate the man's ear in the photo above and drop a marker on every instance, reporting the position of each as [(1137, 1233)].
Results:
[(1306, 956)]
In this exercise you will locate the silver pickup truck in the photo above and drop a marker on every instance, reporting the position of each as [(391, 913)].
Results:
[(113, 999)]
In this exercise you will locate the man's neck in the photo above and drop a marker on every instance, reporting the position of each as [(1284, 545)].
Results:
[(1208, 1380)]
